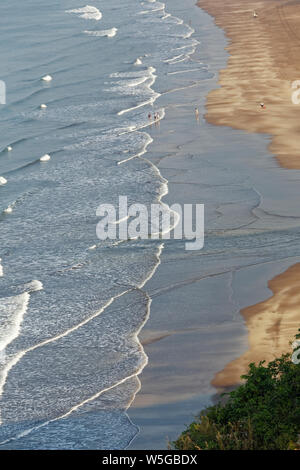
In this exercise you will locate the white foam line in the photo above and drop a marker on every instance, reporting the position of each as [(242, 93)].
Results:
[(188, 35), (120, 382), (128, 130), (164, 192), (18, 357), (88, 12), (145, 103), (158, 257), (149, 141), (65, 415), (195, 43), (179, 60), (12, 311), (184, 87), (138, 81), (173, 58), (148, 124), (110, 33), (183, 71), (160, 6), (152, 78), (164, 181), (168, 15)]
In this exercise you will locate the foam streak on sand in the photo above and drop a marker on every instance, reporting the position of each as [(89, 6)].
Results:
[(143, 361)]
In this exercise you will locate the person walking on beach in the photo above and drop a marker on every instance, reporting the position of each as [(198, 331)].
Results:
[(197, 114), (262, 105), (149, 116)]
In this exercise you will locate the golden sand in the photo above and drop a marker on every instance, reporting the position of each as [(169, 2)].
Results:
[(264, 62), (272, 325)]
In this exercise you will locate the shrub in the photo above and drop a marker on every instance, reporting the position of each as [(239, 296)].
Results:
[(261, 414)]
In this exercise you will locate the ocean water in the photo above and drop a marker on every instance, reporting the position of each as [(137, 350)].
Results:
[(71, 306)]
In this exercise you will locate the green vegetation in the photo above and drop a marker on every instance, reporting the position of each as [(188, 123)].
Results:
[(263, 413)]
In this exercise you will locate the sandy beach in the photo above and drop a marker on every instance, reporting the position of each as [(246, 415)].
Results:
[(272, 324), (263, 64), (111, 338), (234, 302), (195, 327)]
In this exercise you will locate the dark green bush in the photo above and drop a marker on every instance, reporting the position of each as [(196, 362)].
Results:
[(263, 413)]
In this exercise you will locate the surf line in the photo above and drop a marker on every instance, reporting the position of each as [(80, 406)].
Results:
[(20, 355), (164, 185), (152, 77), (142, 152), (120, 382)]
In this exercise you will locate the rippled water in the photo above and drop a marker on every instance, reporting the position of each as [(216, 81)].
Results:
[(70, 305)]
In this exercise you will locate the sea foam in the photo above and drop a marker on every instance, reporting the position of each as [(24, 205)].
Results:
[(12, 310), (110, 33), (88, 12)]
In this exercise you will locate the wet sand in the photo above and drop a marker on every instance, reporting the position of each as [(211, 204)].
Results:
[(264, 61), (272, 325), (195, 327)]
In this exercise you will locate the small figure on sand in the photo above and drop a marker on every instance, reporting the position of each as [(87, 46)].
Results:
[(197, 113), (255, 15), (262, 105)]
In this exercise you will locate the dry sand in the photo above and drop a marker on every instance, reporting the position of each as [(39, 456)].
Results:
[(264, 61), (272, 324)]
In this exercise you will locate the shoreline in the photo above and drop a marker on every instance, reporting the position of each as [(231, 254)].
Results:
[(248, 79), (187, 347), (272, 325), (262, 66)]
